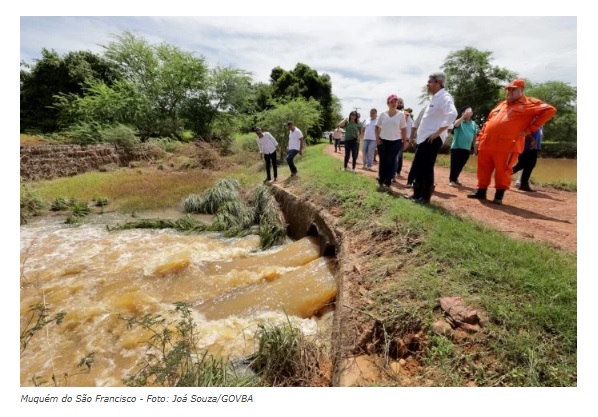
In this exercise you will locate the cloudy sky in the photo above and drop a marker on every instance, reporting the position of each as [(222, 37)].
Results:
[(367, 57)]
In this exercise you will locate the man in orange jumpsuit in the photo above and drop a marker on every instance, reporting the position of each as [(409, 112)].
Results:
[(502, 138)]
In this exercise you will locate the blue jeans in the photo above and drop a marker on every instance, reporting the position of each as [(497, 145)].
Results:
[(290, 156), (369, 146)]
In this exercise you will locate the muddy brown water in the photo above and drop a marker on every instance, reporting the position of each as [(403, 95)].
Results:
[(94, 276)]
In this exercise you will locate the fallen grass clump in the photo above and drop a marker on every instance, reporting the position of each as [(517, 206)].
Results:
[(234, 217), (210, 200), (272, 229), (285, 357), (185, 224)]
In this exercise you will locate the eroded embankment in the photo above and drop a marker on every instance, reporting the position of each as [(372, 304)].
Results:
[(305, 219), (45, 162)]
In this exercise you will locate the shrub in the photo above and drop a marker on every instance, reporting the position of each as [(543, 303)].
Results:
[(31, 204), (559, 149), (284, 357), (120, 135)]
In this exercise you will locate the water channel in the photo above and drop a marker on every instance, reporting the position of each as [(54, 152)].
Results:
[(94, 276)]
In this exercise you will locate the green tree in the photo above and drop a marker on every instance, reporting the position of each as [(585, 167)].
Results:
[(304, 113), (164, 78), (563, 126), (227, 95), (474, 82), (305, 82), (53, 75)]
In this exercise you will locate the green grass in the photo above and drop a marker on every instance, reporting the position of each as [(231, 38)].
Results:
[(528, 291), (128, 190)]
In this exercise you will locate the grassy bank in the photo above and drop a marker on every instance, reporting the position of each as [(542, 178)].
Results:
[(528, 291)]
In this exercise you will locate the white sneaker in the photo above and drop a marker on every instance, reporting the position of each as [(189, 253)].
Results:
[(353, 170), (453, 184)]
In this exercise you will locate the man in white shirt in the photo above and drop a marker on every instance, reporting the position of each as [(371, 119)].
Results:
[(369, 139), (267, 146), (431, 134), (295, 146)]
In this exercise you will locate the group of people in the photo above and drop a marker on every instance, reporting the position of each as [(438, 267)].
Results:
[(508, 141)]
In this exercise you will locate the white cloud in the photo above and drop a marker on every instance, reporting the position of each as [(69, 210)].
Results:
[(368, 58)]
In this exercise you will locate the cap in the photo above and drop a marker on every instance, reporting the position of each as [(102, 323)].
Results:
[(391, 98), (516, 84)]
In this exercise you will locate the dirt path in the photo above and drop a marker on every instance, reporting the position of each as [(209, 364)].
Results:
[(547, 215)]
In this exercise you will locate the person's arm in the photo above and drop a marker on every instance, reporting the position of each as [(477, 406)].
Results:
[(274, 141), (342, 123), (259, 147), (450, 115), (301, 141), (544, 113)]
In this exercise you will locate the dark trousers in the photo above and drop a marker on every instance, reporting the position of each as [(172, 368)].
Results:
[(459, 158), (398, 167), (271, 159), (351, 149), (290, 156), (411, 175), (424, 160), (388, 152), (526, 162), (337, 145)]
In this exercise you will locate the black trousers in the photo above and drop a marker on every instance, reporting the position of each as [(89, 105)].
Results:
[(459, 158), (271, 159), (388, 151), (424, 160), (351, 149), (411, 175), (526, 162)]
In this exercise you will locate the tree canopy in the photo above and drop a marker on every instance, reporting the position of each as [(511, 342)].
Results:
[(474, 82), (52, 75)]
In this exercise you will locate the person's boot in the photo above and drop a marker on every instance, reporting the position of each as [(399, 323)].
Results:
[(426, 194), (498, 196), (526, 187), (480, 194), (418, 191)]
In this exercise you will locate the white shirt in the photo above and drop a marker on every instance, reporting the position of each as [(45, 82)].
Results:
[(441, 112), (409, 123), (266, 144), (295, 137), (369, 127), (390, 127)]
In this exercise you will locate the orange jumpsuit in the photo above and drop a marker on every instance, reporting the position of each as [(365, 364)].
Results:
[(502, 138)]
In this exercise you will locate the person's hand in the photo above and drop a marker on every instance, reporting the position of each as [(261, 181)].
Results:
[(431, 138), (378, 141)]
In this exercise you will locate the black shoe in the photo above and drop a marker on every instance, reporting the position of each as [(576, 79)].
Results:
[(526, 188), (480, 194), (422, 200)]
